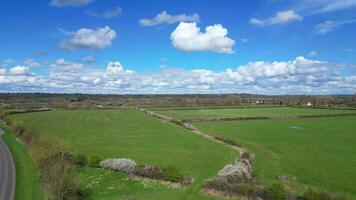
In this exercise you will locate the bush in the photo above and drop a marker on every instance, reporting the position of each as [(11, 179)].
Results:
[(227, 141), (19, 129), (147, 171), (276, 191), (121, 164), (311, 194), (80, 160), (95, 160), (172, 174)]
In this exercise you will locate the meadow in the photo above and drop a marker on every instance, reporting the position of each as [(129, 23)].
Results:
[(135, 135), (318, 152), (249, 112)]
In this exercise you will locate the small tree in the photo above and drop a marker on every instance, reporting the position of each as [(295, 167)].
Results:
[(172, 174)]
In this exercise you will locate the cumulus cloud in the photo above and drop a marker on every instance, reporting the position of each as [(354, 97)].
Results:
[(280, 18), (2, 71), (164, 17), (88, 59), (188, 37), (108, 14), (32, 63), (19, 70), (116, 69), (330, 25), (86, 38), (72, 3), (296, 76)]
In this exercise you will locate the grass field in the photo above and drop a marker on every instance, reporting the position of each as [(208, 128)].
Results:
[(133, 134), (319, 152), (27, 174), (249, 112)]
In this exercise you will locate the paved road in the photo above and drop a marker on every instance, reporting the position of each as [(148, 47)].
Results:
[(7, 173)]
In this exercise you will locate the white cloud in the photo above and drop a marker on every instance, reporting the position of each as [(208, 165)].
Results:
[(19, 70), (349, 50), (296, 76), (94, 39), (245, 40), (336, 5), (188, 37), (313, 54), (106, 14), (9, 61), (88, 59), (72, 3), (32, 63), (280, 18), (116, 69), (330, 25), (2, 71), (164, 17)]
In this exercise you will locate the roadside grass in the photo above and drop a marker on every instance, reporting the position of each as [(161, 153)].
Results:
[(319, 153), (135, 135), (28, 186), (249, 112)]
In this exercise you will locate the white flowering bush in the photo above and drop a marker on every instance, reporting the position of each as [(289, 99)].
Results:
[(239, 170), (120, 164)]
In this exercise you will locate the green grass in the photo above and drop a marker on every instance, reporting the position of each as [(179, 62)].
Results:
[(106, 184), (320, 152), (27, 175), (136, 135), (249, 112)]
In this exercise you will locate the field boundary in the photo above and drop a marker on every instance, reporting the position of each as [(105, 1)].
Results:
[(266, 117), (193, 129), (211, 108)]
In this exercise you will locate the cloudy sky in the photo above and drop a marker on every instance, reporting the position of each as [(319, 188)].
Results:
[(185, 46)]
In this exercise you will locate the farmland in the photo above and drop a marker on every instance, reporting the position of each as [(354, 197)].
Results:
[(318, 152), (249, 112), (135, 135), (315, 152)]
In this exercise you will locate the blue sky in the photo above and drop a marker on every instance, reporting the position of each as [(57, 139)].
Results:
[(132, 46)]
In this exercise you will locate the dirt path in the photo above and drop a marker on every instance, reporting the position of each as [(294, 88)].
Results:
[(191, 128)]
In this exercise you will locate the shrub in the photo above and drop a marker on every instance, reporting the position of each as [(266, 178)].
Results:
[(227, 141), (147, 171), (122, 164), (311, 194), (95, 160), (276, 191), (18, 128), (80, 160), (232, 187), (172, 174)]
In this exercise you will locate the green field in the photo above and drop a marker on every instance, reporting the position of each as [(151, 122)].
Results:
[(319, 152), (136, 135), (27, 175), (249, 112)]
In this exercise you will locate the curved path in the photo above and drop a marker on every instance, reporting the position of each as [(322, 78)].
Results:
[(7, 172)]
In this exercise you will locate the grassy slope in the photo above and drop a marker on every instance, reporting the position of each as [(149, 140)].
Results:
[(249, 112), (27, 175), (321, 154), (135, 135)]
